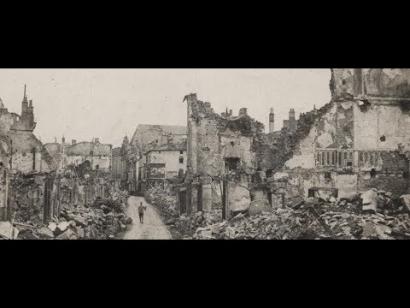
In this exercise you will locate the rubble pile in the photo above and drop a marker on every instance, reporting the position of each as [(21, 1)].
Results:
[(103, 219), (22, 203), (79, 223), (186, 225), (162, 200), (318, 219)]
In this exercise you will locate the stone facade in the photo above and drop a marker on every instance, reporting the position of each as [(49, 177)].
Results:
[(221, 151), (359, 140)]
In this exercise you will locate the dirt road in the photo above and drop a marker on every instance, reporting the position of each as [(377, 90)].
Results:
[(152, 228)]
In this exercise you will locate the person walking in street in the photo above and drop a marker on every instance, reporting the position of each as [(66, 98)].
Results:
[(141, 210)]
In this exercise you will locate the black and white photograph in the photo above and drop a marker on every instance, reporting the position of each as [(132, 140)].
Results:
[(205, 154)]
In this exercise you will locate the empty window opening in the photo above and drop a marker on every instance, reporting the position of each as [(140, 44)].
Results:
[(406, 174), (181, 160), (373, 173), (383, 138), (371, 159), (232, 163), (181, 152), (328, 176)]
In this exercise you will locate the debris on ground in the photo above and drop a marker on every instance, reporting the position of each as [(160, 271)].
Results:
[(105, 218), (374, 216), (163, 201)]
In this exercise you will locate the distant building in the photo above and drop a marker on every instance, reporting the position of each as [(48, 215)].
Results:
[(64, 154), (163, 164), (125, 165), (149, 136)]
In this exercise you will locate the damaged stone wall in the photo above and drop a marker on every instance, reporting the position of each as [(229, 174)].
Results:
[(381, 126), (357, 141), (210, 136), (217, 145), (371, 82)]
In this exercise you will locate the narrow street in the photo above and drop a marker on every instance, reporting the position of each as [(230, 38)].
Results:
[(152, 228)]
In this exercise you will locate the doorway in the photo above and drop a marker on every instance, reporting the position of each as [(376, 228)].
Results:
[(182, 202)]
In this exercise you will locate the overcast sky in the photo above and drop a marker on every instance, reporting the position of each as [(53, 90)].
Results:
[(110, 103)]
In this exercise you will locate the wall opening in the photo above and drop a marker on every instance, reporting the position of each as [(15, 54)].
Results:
[(232, 163), (373, 173)]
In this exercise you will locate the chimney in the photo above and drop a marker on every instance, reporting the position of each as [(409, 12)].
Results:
[(73, 141), (243, 111), (292, 114), (271, 121), (190, 98)]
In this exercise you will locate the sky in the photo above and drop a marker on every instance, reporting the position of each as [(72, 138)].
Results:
[(83, 104)]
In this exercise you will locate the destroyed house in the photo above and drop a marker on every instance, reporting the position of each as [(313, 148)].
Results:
[(147, 136), (359, 140), (96, 153), (24, 152), (219, 146), (161, 165)]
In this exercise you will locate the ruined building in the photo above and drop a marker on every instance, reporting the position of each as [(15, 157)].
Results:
[(161, 165), (147, 136), (358, 141), (151, 145), (22, 151), (220, 152), (76, 153), (125, 165)]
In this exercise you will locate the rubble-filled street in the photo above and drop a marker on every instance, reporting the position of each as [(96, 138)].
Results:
[(333, 167)]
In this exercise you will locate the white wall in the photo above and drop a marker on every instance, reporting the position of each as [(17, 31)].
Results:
[(170, 159), (381, 120)]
